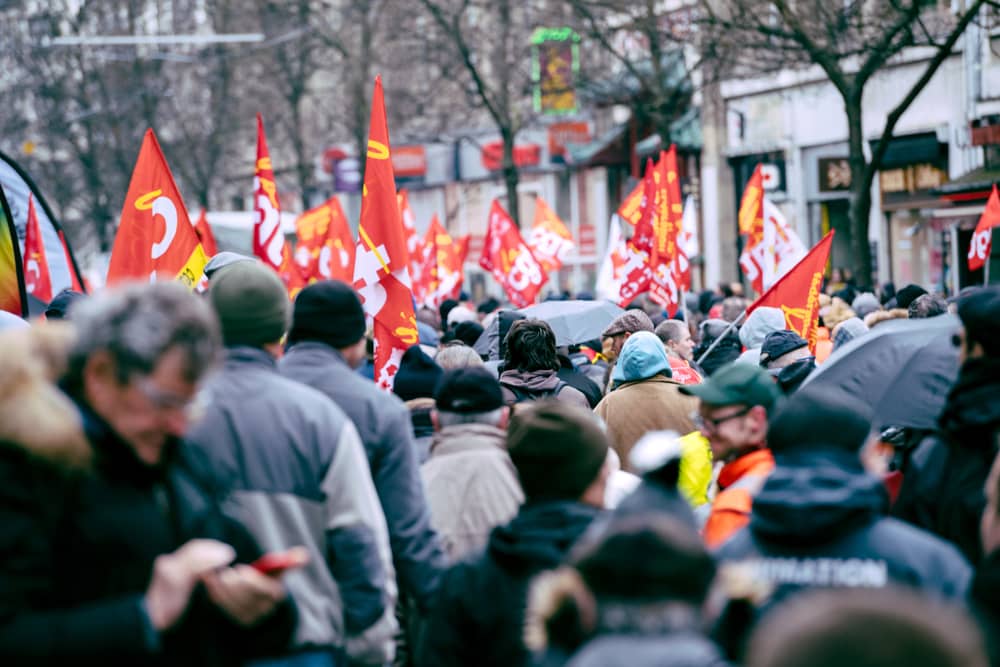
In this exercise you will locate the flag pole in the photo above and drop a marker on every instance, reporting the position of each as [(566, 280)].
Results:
[(732, 325), (986, 265)]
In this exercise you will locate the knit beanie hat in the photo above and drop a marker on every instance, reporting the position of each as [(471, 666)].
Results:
[(908, 295), (252, 304), (418, 375), (979, 310), (817, 418), (328, 311), (468, 332), (557, 448)]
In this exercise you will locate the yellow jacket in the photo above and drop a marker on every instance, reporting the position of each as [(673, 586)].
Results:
[(696, 468)]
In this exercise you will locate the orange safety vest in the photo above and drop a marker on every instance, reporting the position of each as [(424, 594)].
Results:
[(739, 482)]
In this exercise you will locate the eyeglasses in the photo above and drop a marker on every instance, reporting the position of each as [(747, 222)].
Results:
[(162, 400), (703, 423)]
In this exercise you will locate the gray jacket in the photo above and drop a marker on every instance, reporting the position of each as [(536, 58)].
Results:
[(384, 425), (291, 468), (472, 486)]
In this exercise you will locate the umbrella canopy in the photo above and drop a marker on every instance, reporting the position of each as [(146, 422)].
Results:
[(575, 321), (903, 369), (488, 346)]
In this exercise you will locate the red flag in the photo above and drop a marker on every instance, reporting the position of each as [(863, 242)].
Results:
[(981, 245), (205, 235), (36, 267), (463, 248), (667, 260), (442, 269), (155, 238), (797, 292), (414, 244), (549, 240), (506, 255), (73, 275), (381, 268), (751, 223), (325, 248), (268, 241), (637, 271), (631, 207)]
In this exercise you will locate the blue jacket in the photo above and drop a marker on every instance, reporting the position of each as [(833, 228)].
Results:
[(819, 522), (384, 425)]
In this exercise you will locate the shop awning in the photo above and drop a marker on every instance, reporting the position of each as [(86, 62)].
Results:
[(921, 148), (609, 148)]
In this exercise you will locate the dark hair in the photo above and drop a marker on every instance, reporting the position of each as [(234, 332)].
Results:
[(866, 628), (530, 346), (927, 305)]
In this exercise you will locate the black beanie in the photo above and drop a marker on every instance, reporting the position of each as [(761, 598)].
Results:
[(468, 332), (330, 312), (979, 310), (557, 448), (819, 418), (418, 375), (909, 294)]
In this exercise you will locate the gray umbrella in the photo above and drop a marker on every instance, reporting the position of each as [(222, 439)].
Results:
[(902, 368), (575, 321)]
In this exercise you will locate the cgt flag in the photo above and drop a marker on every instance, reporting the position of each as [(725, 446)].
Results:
[(637, 272), (381, 267), (508, 258), (442, 269), (268, 242), (797, 292), (325, 248), (981, 244), (36, 266), (549, 240), (671, 272), (155, 238)]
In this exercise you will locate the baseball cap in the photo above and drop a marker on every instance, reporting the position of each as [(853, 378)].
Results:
[(736, 384)]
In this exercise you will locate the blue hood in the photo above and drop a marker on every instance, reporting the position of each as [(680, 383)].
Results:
[(642, 357)]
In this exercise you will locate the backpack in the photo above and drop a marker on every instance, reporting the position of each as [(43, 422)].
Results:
[(522, 395)]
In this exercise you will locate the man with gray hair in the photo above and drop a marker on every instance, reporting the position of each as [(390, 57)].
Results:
[(117, 556), (292, 468), (471, 483)]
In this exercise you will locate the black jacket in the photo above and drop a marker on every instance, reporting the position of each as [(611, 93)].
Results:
[(984, 596), (942, 487), (818, 522), (478, 618), (76, 556)]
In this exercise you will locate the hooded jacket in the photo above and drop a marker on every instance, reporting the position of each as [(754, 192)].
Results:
[(646, 398), (762, 321), (942, 487), (818, 522), (83, 522), (478, 618), (471, 486), (540, 383)]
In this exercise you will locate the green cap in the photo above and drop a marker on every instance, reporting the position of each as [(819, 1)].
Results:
[(736, 384)]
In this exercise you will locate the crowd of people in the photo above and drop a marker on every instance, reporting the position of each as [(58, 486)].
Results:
[(215, 479)]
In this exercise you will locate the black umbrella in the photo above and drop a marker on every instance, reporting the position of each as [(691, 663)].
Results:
[(902, 368)]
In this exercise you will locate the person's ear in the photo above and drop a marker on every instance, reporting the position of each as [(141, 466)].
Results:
[(434, 419)]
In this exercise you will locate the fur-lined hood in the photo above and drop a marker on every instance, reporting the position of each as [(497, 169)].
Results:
[(34, 414), (871, 319)]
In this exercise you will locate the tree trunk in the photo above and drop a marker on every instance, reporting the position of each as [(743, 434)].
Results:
[(861, 196), (510, 176)]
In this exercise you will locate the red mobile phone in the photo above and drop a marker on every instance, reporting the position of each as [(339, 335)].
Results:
[(278, 562)]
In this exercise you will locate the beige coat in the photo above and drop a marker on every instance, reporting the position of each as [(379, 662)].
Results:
[(471, 486), (636, 408)]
